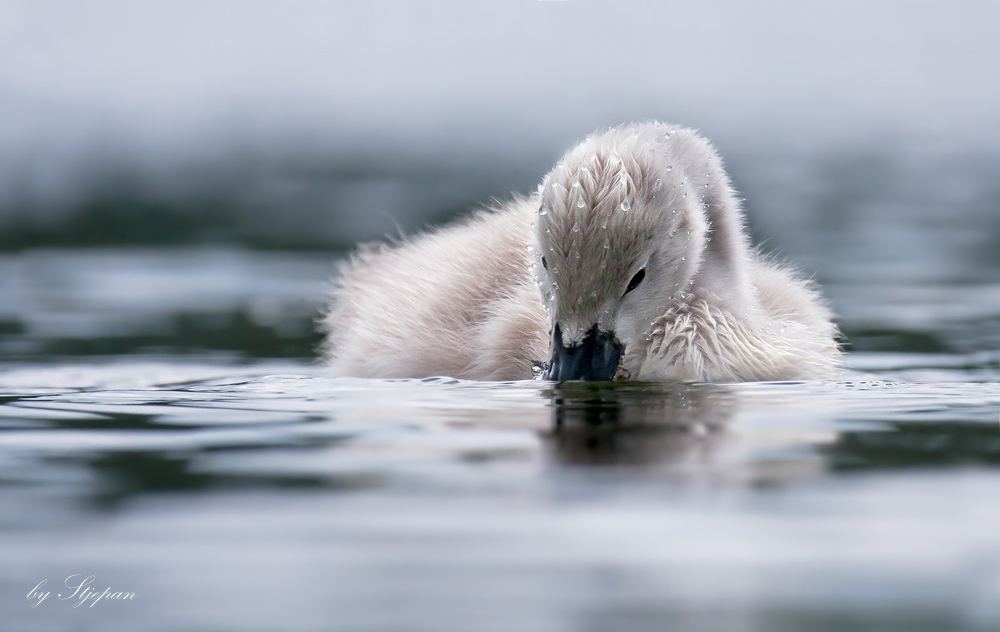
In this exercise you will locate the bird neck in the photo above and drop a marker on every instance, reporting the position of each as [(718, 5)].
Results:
[(725, 253)]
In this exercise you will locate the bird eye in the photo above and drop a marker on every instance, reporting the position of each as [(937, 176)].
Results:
[(636, 280), (545, 264)]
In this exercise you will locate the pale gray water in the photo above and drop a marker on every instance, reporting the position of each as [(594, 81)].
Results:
[(268, 497), (178, 458)]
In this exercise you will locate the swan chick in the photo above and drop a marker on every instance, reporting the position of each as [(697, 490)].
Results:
[(631, 261)]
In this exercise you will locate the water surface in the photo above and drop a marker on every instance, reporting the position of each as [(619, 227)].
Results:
[(236, 487)]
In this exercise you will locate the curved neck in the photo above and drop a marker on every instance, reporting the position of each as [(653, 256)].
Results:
[(725, 254)]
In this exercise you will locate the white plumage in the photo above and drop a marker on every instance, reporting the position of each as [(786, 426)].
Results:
[(548, 277)]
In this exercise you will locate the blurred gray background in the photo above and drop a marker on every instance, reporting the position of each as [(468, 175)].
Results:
[(863, 135)]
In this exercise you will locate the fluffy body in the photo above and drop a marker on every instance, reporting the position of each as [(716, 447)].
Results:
[(459, 301), (476, 300)]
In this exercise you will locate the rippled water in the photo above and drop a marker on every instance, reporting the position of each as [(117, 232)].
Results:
[(163, 429)]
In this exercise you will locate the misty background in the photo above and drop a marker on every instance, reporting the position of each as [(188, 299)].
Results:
[(863, 135)]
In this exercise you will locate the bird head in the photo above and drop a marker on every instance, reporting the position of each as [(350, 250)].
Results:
[(623, 228)]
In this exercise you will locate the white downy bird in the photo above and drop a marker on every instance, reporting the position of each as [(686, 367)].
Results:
[(629, 262)]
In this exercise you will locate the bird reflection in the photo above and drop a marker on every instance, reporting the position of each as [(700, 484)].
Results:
[(612, 423)]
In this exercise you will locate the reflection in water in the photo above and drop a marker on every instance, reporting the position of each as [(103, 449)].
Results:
[(615, 423)]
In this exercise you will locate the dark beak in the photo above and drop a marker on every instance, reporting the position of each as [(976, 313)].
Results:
[(593, 358)]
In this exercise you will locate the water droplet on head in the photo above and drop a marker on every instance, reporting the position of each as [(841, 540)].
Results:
[(576, 227), (604, 264), (580, 203), (576, 185), (530, 249), (625, 205), (543, 211), (576, 255), (607, 243), (670, 167)]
